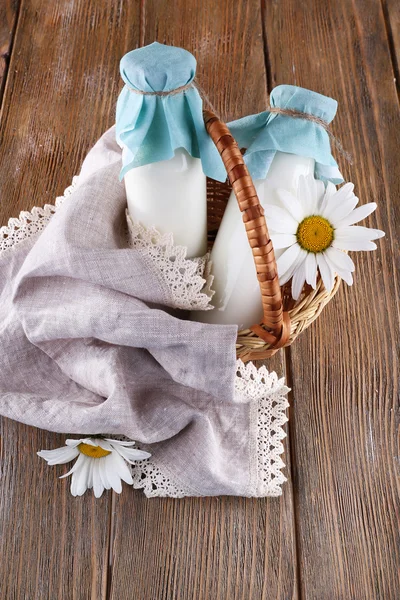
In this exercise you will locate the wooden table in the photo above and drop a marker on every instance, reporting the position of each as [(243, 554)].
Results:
[(334, 534)]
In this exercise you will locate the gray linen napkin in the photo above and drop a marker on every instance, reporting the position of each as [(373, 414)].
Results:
[(86, 347)]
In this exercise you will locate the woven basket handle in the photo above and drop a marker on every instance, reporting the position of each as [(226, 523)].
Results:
[(275, 320)]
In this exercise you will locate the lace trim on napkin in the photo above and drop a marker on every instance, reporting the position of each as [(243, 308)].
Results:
[(154, 482), (267, 397), (190, 284), (188, 281), (31, 223)]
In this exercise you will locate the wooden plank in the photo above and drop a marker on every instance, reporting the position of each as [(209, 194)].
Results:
[(391, 13), (201, 548), (62, 86), (206, 548), (345, 368), (216, 548), (8, 22), (52, 545)]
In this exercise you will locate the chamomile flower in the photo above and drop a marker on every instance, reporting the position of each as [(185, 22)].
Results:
[(101, 463), (313, 231)]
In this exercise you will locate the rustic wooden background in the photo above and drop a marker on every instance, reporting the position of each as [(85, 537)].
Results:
[(335, 532)]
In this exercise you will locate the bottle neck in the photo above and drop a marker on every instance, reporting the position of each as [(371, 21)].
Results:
[(284, 172), (286, 169)]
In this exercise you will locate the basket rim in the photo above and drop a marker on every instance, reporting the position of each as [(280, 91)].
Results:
[(306, 310)]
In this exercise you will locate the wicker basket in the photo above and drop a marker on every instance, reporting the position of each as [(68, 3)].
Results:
[(284, 319)]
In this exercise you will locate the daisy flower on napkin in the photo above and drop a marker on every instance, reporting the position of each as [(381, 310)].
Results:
[(101, 463), (313, 231)]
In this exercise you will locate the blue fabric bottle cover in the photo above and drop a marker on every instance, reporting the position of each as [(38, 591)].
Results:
[(265, 133), (149, 128)]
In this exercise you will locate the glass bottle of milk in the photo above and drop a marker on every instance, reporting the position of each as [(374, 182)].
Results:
[(237, 297), (166, 153), (279, 150), (171, 195)]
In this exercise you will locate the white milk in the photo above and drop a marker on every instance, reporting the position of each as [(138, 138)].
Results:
[(237, 298), (171, 195)]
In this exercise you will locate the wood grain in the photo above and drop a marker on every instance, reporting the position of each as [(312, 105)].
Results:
[(52, 545), (201, 548), (60, 96), (219, 548), (216, 548), (391, 13), (345, 417), (8, 22)]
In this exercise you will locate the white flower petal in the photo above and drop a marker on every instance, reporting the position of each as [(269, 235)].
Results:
[(326, 272), (357, 232), (91, 441), (74, 481), (111, 466), (90, 475), (70, 472), (74, 443), (291, 204), (305, 194), (345, 191), (320, 193), (286, 260), (316, 192), (98, 487), (310, 265), (338, 213), (358, 214), (286, 276), (76, 466), (330, 190), (357, 246), (104, 444), (132, 455), (298, 281), (120, 442), (339, 259), (278, 252), (80, 478), (289, 273), (279, 220), (345, 275), (282, 240), (103, 472), (59, 456), (342, 197), (122, 469)]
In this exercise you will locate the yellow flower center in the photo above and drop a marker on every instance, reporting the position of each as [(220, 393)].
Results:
[(314, 234), (92, 451)]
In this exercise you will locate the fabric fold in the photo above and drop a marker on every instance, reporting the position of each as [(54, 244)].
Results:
[(265, 396), (88, 346), (265, 133)]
